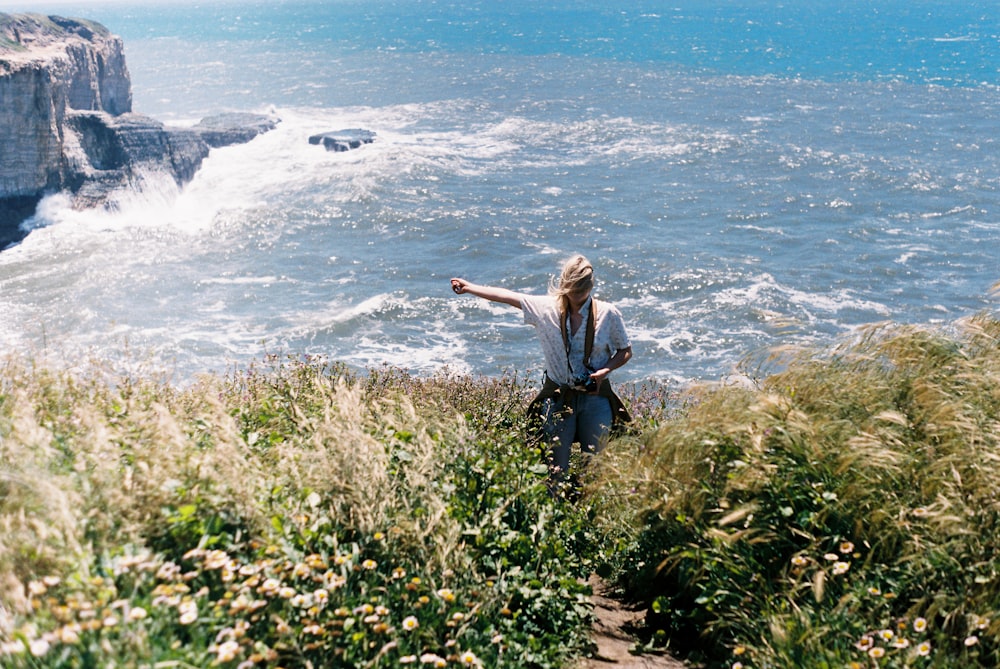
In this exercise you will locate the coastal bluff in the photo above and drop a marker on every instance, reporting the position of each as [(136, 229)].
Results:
[(67, 125)]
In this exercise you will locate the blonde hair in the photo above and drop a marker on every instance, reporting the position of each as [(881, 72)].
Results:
[(577, 275)]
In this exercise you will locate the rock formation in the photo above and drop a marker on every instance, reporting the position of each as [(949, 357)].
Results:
[(66, 120), (343, 140)]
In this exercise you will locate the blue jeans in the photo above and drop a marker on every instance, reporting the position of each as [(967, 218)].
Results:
[(579, 418)]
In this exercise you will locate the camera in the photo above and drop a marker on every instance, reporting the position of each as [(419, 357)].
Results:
[(585, 383)]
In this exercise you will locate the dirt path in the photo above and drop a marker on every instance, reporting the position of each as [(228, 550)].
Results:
[(613, 639)]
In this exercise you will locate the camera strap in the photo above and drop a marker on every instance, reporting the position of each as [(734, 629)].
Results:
[(588, 340)]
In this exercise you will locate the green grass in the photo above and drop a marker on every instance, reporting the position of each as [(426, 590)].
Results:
[(839, 512)]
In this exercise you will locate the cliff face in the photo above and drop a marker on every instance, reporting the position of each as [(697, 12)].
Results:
[(49, 66), (66, 121)]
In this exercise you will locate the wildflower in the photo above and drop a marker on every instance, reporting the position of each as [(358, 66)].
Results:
[(301, 570), (38, 647), (341, 560), (924, 649), (189, 612), (248, 569), (216, 560), (286, 592), (901, 642), (737, 665), (432, 659), (371, 619), (865, 643), (398, 573), (110, 621), (876, 652), (168, 571), (70, 634), (469, 659), (981, 622), (971, 641), (226, 652), (831, 557), (874, 591), (799, 561), (921, 511), (886, 635), (321, 596), (15, 647), (270, 586), (378, 536), (313, 629), (410, 623), (446, 594), (369, 564), (497, 638), (408, 659), (739, 650), (846, 547), (37, 588), (315, 561), (841, 567), (920, 624)]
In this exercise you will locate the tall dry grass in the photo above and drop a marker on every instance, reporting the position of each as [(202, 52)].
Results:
[(851, 492)]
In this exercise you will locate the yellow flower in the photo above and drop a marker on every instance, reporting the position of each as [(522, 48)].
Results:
[(924, 649), (920, 624), (369, 564), (446, 594), (410, 623), (469, 659), (886, 635), (799, 561)]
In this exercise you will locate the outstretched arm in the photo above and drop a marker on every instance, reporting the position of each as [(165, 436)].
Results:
[(491, 293)]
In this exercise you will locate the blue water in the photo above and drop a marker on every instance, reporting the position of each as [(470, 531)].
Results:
[(744, 175)]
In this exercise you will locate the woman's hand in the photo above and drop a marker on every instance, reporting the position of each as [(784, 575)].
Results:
[(459, 285)]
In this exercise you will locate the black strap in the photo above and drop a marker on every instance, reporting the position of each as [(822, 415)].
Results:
[(588, 340)]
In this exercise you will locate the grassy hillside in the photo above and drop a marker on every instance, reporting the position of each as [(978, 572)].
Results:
[(841, 512)]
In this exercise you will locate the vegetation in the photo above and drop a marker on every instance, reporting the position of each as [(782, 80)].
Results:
[(839, 512)]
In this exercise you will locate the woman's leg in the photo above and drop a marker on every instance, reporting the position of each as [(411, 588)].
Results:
[(593, 422), (560, 428)]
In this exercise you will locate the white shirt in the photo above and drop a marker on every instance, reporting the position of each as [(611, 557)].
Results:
[(542, 312)]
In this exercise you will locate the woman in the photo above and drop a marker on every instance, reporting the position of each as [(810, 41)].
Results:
[(583, 340)]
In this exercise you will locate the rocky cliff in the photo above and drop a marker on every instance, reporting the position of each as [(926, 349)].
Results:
[(66, 120)]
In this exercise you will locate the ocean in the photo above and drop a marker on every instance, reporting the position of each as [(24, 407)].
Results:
[(745, 175)]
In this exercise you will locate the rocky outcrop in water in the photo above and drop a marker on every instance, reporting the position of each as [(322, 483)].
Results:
[(343, 140), (66, 120)]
